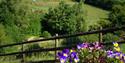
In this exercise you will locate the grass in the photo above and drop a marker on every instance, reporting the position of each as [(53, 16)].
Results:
[(95, 14)]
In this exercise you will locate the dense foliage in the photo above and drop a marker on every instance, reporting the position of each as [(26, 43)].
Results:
[(18, 20), (64, 19), (117, 15)]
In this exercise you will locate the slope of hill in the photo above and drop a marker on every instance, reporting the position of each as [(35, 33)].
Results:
[(94, 14)]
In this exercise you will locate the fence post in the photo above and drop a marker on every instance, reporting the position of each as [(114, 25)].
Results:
[(56, 45), (100, 35), (23, 59)]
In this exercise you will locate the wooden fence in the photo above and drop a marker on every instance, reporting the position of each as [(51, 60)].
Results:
[(59, 48)]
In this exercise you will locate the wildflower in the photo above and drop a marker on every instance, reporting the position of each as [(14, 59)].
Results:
[(117, 49), (117, 57), (59, 54), (82, 46), (85, 45), (70, 60), (63, 59), (97, 45), (110, 54), (62, 56), (65, 55), (79, 46), (66, 51), (123, 57), (72, 50), (91, 47), (73, 54), (115, 44), (76, 59)]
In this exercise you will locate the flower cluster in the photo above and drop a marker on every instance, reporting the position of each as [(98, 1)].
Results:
[(87, 51), (68, 55), (116, 53), (90, 46)]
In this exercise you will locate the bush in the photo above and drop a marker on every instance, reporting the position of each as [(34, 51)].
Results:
[(46, 34)]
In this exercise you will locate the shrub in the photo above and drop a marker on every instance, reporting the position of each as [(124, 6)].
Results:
[(46, 34)]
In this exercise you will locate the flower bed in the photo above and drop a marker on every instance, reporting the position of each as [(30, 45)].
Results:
[(92, 53)]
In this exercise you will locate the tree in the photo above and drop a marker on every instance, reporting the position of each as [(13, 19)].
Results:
[(64, 19), (117, 15), (18, 19)]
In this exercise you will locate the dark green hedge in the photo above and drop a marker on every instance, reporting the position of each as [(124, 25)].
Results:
[(105, 4)]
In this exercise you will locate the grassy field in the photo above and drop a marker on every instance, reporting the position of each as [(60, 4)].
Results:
[(94, 14)]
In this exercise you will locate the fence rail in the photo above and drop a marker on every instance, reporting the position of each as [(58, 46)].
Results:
[(52, 49), (44, 61), (67, 36), (59, 48)]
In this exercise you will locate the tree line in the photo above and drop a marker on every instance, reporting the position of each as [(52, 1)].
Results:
[(105, 4)]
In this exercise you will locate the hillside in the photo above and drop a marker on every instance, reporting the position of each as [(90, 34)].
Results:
[(94, 14)]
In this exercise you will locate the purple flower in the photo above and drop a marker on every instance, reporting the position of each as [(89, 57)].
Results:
[(70, 60), (85, 45), (62, 56), (123, 58), (79, 46), (82, 46), (66, 51), (73, 54), (59, 54), (76, 59), (67, 55), (97, 45), (63, 59), (110, 54)]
